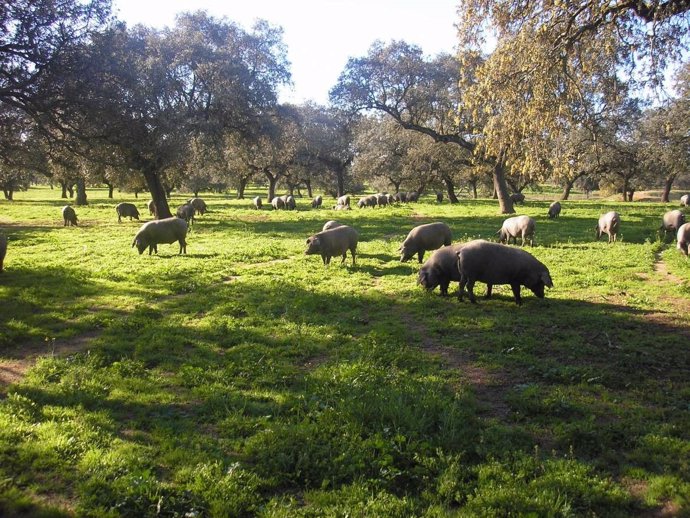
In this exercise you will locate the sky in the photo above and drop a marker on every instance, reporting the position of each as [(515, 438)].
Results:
[(320, 35)]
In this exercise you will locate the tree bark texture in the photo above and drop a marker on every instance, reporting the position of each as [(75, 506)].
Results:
[(158, 194)]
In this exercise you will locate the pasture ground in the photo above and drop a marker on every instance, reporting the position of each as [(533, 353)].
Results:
[(246, 379)]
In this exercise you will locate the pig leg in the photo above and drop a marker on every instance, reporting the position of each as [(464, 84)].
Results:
[(470, 290), (516, 292)]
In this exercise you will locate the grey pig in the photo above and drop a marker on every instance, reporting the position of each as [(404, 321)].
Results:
[(126, 210), (278, 203), (331, 224), (412, 196), (422, 238), (199, 205), (367, 201), (517, 197), (683, 237), (316, 202), (685, 200), (382, 199), (186, 212), (555, 209), (493, 263), (344, 200), (333, 242), (69, 216), (257, 202), (609, 224), (672, 221), (341, 207), (166, 230), (152, 208), (522, 226), (3, 250), (290, 203), (440, 269)]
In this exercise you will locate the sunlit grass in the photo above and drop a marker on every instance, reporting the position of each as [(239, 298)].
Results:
[(246, 378)]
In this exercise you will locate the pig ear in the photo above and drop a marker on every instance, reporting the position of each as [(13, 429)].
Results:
[(546, 279), (422, 277), (308, 240)]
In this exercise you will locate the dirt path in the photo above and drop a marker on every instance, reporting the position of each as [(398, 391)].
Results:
[(675, 309), (14, 368)]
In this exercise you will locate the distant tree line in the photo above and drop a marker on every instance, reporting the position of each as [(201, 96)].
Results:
[(86, 100)]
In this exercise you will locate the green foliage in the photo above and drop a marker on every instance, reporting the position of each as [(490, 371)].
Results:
[(247, 379)]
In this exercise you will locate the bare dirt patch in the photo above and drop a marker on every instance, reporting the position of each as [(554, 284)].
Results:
[(14, 367)]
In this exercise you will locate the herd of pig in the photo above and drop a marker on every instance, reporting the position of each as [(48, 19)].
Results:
[(465, 263)]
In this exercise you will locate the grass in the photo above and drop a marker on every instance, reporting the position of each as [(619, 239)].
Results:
[(245, 379)]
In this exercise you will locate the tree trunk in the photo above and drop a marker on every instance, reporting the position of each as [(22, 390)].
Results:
[(473, 186), (9, 193), (70, 190), (668, 183), (625, 189), (340, 179), (501, 188), (566, 189), (158, 193), (241, 186), (272, 182), (450, 189), (310, 193), (110, 189), (81, 192)]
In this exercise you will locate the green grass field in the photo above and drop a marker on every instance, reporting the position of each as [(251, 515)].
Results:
[(247, 379)]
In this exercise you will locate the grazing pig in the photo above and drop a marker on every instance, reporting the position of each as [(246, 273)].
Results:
[(672, 221), (685, 200), (331, 224), (344, 201), (609, 224), (69, 216), (278, 203), (166, 230), (683, 237), (199, 205), (492, 263), (422, 238), (400, 197), (517, 197), (290, 203), (333, 242), (522, 226), (317, 202), (126, 210), (186, 212), (3, 250), (152, 208), (367, 201), (555, 209), (440, 269), (257, 202), (439, 197), (382, 199), (412, 196)]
